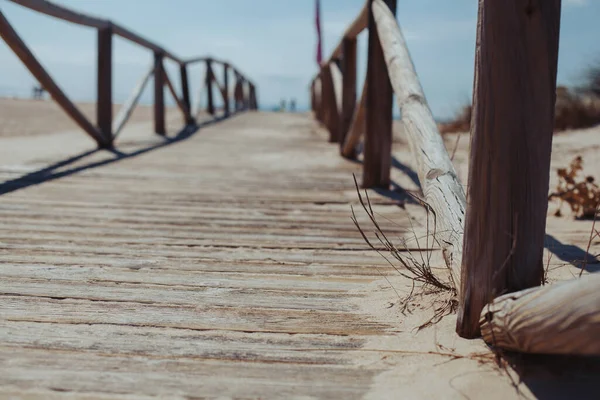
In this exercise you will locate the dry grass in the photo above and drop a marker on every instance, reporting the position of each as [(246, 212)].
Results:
[(414, 266), (581, 193)]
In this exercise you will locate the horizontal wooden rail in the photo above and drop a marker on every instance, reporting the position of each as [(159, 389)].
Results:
[(60, 12), (439, 181), (563, 318)]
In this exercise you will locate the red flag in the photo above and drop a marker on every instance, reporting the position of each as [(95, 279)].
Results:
[(319, 40)]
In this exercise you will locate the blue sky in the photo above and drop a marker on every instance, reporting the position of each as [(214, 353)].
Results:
[(273, 42)]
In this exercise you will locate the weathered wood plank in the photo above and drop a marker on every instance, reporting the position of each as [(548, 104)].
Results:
[(439, 181), (563, 318), (508, 191)]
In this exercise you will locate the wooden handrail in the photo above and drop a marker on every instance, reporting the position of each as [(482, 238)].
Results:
[(107, 129), (19, 47), (60, 12), (439, 180), (356, 27)]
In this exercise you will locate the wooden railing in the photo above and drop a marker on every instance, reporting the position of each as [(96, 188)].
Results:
[(106, 130), (494, 244)]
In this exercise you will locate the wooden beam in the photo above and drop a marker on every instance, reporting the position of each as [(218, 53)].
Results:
[(357, 127), (104, 104), (209, 79), (440, 184), (184, 110), (185, 89), (66, 14), (13, 41), (226, 105), (378, 138), (563, 318), (511, 143), (348, 88), (331, 116), (360, 23), (127, 108), (159, 95)]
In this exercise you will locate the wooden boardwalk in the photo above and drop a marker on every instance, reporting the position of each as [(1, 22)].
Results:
[(220, 263), (225, 263)]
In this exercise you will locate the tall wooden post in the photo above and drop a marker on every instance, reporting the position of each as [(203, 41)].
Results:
[(511, 142), (104, 112), (209, 88), (330, 109), (185, 89), (349, 88), (226, 88), (378, 136), (159, 95)]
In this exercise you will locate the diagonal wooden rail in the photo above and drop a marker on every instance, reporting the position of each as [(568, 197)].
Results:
[(106, 130), (494, 244)]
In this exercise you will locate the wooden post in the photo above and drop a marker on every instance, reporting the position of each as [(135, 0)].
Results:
[(511, 142), (331, 116), (349, 88), (378, 135), (226, 89), (19, 47), (209, 78), (104, 110), (185, 89), (159, 95)]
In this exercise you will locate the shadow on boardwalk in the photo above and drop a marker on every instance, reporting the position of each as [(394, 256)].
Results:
[(55, 171)]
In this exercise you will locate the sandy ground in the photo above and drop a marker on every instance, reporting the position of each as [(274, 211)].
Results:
[(433, 362), (45, 116)]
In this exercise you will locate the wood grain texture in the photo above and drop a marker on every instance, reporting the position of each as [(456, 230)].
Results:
[(378, 136), (129, 106), (440, 184), (563, 318), (15, 43), (155, 276), (511, 144), (159, 95)]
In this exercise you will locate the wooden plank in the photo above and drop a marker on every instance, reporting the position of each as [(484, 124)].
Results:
[(378, 136), (358, 126), (159, 95), (13, 40), (226, 105), (508, 192), (349, 88), (563, 318), (210, 105), (185, 88), (437, 176), (133, 99), (104, 105)]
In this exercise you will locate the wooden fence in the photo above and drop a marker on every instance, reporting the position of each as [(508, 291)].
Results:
[(107, 129), (493, 245)]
